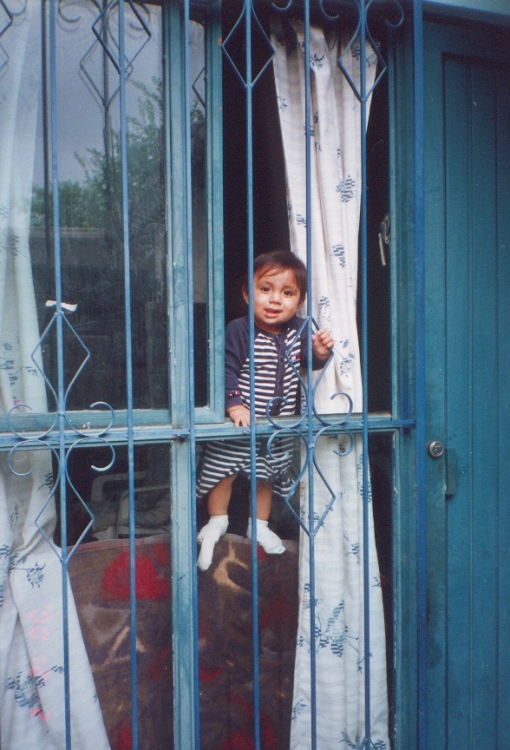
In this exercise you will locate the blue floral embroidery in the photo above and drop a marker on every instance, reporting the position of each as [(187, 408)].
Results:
[(14, 516), (303, 509), (346, 189), (315, 60), (345, 357), (26, 687), (48, 481), (323, 304), (356, 51), (334, 635), (336, 632), (34, 574), (354, 549), (378, 745), (298, 708), (359, 470), (14, 244), (348, 743), (339, 252), (306, 596)]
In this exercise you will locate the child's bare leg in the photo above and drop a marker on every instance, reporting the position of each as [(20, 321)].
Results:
[(217, 505), (264, 500), (268, 540), (219, 496)]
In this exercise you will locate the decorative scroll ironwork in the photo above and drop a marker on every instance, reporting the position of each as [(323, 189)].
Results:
[(43, 440), (335, 427)]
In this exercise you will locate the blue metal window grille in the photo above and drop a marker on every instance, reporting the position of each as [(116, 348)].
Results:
[(145, 436)]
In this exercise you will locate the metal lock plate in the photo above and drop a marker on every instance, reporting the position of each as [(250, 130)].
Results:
[(435, 449)]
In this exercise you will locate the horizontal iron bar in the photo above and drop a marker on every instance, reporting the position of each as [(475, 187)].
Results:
[(167, 433), (328, 5)]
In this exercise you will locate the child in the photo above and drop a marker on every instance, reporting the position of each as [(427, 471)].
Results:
[(279, 288)]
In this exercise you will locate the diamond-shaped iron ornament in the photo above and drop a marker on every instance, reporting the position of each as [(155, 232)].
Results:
[(4, 58), (45, 336), (329, 426), (198, 106), (194, 88), (6, 18), (372, 58), (234, 49), (106, 29), (92, 518), (6, 21)]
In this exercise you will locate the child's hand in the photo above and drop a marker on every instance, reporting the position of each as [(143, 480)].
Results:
[(322, 343), (240, 415)]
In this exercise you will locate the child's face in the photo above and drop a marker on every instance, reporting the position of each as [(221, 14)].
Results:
[(276, 298)]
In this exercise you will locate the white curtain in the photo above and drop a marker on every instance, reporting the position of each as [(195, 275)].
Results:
[(339, 574), (32, 701)]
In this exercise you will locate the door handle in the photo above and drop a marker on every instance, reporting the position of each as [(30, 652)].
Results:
[(450, 472), (436, 450)]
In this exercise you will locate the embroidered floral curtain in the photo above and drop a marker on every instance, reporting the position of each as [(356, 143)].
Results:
[(339, 575), (32, 702)]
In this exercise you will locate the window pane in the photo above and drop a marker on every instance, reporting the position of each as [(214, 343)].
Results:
[(198, 114), (225, 614), (92, 238), (100, 579)]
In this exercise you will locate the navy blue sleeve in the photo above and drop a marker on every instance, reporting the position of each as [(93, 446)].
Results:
[(236, 353)]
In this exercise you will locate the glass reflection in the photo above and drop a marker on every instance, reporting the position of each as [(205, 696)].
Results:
[(91, 217)]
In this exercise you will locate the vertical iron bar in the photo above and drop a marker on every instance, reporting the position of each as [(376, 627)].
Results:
[(309, 313), (251, 329), (129, 375), (106, 115), (419, 239), (191, 367), (60, 361), (364, 374), (180, 291)]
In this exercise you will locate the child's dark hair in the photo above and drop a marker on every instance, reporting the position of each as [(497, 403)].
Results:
[(281, 260)]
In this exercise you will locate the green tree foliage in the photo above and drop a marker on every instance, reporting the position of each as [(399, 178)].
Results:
[(96, 201)]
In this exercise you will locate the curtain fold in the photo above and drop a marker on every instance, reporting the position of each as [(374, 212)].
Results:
[(32, 703), (338, 554)]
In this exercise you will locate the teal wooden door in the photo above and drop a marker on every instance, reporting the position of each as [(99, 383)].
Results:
[(467, 187)]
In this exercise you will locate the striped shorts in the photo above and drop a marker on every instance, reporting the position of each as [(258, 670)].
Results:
[(223, 458)]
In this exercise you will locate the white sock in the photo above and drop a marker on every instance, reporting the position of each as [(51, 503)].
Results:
[(208, 536), (268, 540)]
